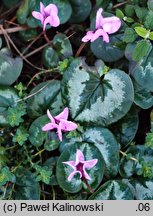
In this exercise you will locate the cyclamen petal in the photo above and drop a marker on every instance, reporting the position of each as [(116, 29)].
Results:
[(70, 163), (63, 115), (99, 18), (50, 116), (38, 16), (79, 157), (59, 132), (111, 24), (42, 7), (50, 9), (90, 163), (49, 126), (86, 174), (67, 125), (72, 175), (88, 36)]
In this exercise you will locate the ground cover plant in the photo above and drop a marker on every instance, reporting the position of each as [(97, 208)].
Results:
[(76, 97)]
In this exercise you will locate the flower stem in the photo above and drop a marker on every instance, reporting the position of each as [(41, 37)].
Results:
[(88, 186), (47, 39)]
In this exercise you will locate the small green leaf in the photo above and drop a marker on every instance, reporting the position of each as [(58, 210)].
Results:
[(141, 12), (151, 35), (6, 176), (43, 174), (141, 50), (15, 114), (3, 157), (129, 10), (142, 32), (21, 136), (119, 14), (149, 21), (129, 35)]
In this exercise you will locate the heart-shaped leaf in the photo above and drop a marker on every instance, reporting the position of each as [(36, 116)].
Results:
[(142, 97), (108, 52), (45, 96), (8, 97), (143, 189), (80, 10), (62, 45), (125, 129), (63, 171), (108, 146), (143, 73), (113, 190), (93, 99), (10, 68), (37, 137), (50, 57)]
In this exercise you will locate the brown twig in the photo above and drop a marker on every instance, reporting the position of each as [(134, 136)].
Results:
[(80, 49), (36, 38), (12, 30), (36, 50), (17, 50), (120, 4)]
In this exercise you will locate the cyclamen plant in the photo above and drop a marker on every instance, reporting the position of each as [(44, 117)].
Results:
[(60, 123), (47, 15), (91, 144), (104, 27), (79, 166)]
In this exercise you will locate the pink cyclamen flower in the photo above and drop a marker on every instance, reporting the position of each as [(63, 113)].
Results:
[(104, 27), (60, 123), (47, 15), (79, 166)]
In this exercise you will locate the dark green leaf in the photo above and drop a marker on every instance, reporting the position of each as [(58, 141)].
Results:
[(125, 129), (50, 57), (46, 96), (10, 68), (80, 10), (105, 141), (26, 187), (107, 51), (113, 190), (62, 46), (8, 97)]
